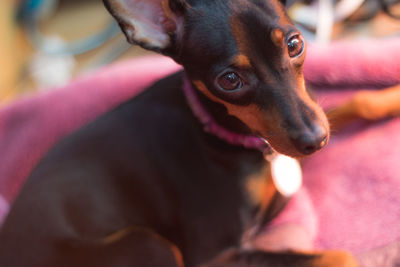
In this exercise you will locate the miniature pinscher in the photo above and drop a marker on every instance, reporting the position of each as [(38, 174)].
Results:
[(153, 183)]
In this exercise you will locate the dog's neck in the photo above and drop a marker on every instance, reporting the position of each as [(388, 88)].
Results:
[(212, 125), (285, 171)]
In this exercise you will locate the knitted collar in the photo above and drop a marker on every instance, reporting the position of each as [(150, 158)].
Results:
[(212, 127)]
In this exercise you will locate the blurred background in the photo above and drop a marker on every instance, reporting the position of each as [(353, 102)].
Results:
[(46, 43)]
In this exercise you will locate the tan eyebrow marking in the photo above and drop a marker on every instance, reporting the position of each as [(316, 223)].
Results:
[(277, 37), (166, 9), (241, 61), (239, 34)]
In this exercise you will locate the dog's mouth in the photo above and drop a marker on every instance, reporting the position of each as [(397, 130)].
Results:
[(298, 135), (296, 141), (287, 146)]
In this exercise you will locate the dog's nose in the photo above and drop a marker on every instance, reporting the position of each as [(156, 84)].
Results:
[(310, 140)]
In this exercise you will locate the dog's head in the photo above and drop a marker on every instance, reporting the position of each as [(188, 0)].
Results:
[(243, 54)]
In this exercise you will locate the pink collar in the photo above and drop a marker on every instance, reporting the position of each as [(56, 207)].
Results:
[(212, 127)]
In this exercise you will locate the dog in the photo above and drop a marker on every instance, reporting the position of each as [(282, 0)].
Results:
[(178, 175)]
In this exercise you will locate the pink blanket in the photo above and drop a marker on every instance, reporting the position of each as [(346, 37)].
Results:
[(351, 195)]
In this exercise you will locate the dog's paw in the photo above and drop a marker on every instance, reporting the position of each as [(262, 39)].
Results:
[(370, 105), (334, 259), (258, 258)]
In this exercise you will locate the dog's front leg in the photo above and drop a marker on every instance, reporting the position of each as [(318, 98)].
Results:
[(137, 247), (258, 258), (133, 246), (369, 105)]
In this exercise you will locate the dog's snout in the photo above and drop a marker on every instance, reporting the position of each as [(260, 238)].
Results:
[(307, 141)]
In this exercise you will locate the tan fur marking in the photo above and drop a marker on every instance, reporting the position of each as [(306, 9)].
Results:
[(242, 61), (239, 34), (177, 255), (245, 114), (167, 10), (332, 258), (277, 37), (117, 236), (114, 237), (260, 188), (249, 115)]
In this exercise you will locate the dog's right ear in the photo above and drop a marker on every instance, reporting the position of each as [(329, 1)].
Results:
[(152, 24)]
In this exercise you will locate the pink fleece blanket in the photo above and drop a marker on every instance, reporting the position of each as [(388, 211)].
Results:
[(351, 195)]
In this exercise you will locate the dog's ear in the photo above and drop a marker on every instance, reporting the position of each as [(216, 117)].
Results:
[(283, 2), (152, 24)]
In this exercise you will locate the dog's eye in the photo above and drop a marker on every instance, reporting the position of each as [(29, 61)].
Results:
[(295, 46), (230, 81)]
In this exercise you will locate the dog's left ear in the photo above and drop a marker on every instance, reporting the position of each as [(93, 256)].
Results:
[(152, 24)]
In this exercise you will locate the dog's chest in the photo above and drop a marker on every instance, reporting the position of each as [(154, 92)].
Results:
[(259, 188), (224, 206)]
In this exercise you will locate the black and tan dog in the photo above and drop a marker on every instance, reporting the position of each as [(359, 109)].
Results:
[(145, 185)]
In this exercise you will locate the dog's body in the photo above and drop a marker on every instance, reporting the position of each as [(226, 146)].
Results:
[(136, 182), (144, 185)]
